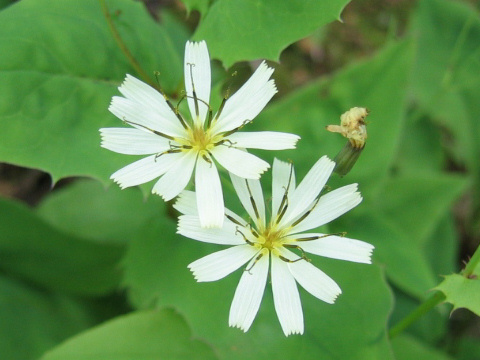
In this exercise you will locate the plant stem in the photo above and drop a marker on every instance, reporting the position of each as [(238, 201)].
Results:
[(124, 48), (433, 300), (472, 264), (422, 309)]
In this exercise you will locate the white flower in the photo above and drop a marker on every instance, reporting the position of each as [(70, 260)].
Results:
[(177, 146), (282, 242)]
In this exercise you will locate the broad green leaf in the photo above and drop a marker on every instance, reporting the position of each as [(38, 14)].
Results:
[(249, 29), (407, 348), (417, 202), (59, 74), (36, 251), (158, 334), (468, 348), (354, 327), (34, 320), (447, 57), (462, 292), (86, 209)]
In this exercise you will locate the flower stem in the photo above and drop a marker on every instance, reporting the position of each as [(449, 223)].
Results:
[(422, 309), (433, 300), (124, 48), (472, 264)]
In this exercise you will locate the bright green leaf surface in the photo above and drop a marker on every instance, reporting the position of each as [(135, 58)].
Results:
[(462, 292), (200, 5), (34, 250), (152, 335), (408, 348), (87, 209), (417, 202), (156, 272), (33, 320), (250, 29), (59, 72)]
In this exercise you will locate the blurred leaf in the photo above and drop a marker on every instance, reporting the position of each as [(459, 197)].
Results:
[(417, 202), (407, 348), (462, 292), (394, 248), (200, 5), (36, 251), (34, 320), (86, 209), (468, 349), (160, 334), (261, 29), (352, 328), (447, 54), (58, 76), (378, 84)]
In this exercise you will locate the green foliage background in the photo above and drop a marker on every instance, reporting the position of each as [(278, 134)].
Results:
[(94, 272)]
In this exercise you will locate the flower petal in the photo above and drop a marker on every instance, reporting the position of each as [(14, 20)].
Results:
[(143, 118), (186, 203), (148, 98), (286, 298), (240, 162), (197, 70), (189, 226), (308, 189), (144, 170), (132, 141), (331, 205), (248, 101), (209, 194), (338, 247), (249, 293), (221, 263), (251, 200), (267, 140), (312, 279), (177, 177), (283, 178)]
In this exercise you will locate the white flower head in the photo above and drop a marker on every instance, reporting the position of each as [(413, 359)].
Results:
[(281, 243), (177, 145)]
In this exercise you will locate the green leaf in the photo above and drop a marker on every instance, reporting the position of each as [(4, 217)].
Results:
[(59, 74), (250, 29), (417, 202), (352, 328), (200, 5), (34, 250), (462, 292), (160, 334), (86, 209), (448, 53), (34, 320), (408, 348)]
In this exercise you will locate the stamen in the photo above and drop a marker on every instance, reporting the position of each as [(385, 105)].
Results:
[(171, 151), (147, 128), (284, 203), (342, 234), (227, 133), (232, 219), (300, 219), (237, 231), (259, 256), (227, 95), (221, 142), (195, 99), (252, 201)]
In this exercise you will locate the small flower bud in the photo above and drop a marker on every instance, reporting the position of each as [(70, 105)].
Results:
[(353, 127)]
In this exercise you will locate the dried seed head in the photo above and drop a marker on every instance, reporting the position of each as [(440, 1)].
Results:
[(352, 126)]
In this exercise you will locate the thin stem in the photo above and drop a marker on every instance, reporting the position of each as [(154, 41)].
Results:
[(425, 307), (124, 48), (472, 264), (433, 300)]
